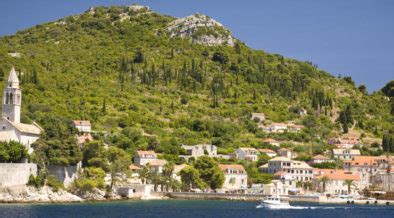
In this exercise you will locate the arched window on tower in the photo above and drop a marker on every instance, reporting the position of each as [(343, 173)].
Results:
[(7, 96), (18, 99), (11, 98)]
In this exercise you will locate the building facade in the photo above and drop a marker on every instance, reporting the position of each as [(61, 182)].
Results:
[(249, 154), (236, 178), (11, 127)]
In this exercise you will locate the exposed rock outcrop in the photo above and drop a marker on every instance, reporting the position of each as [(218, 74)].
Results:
[(25, 194), (201, 29)]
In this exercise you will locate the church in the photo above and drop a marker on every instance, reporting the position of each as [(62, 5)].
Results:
[(11, 129)]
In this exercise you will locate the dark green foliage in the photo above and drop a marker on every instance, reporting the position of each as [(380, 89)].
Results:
[(349, 80), (220, 57), (58, 144), (209, 172), (388, 89), (363, 89), (327, 165), (12, 152), (388, 142), (191, 179), (346, 118), (139, 56)]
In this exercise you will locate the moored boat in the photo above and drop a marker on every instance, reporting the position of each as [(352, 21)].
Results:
[(275, 202)]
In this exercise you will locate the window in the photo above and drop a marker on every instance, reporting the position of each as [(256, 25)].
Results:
[(4, 127), (11, 98)]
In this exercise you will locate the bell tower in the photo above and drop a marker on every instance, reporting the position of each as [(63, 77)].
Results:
[(12, 98)]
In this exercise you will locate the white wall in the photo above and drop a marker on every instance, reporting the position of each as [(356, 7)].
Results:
[(16, 174), (65, 174), (240, 181)]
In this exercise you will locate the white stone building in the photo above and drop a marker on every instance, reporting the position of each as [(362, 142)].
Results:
[(11, 129), (83, 126), (275, 128), (236, 178), (276, 187), (268, 152), (284, 152), (258, 116), (367, 167), (250, 154), (336, 181), (200, 150), (141, 158), (272, 141), (300, 170), (318, 159), (345, 154)]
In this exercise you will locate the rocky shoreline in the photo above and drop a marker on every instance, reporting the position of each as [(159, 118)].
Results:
[(27, 194), (31, 194)]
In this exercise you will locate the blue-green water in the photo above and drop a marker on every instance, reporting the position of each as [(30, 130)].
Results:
[(180, 208)]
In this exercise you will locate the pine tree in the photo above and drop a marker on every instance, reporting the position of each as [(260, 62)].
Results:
[(35, 78), (104, 107)]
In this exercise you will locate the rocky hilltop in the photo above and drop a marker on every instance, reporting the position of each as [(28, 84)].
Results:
[(201, 29)]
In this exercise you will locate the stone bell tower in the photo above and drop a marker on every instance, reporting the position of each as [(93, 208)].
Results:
[(12, 98)]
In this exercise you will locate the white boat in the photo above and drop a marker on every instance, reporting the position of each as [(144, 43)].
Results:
[(275, 202)]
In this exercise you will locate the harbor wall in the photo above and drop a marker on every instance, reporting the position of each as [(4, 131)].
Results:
[(16, 174), (215, 196), (236, 197)]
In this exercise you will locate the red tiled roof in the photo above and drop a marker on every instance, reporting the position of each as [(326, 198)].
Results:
[(333, 174), (264, 150), (225, 167), (157, 162), (365, 160)]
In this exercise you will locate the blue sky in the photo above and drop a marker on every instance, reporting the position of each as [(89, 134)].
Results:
[(347, 37)]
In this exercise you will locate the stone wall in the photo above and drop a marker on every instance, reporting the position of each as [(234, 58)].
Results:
[(65, 174), (16, 174)]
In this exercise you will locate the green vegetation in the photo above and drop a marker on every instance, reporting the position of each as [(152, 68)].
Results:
[(142, 89), (12, 152), (209, 172), (54, 183), (90, 179), (191, 179), (388, 142)]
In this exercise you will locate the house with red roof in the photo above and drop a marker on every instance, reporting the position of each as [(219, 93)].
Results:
[(333, 181), (236, 178)]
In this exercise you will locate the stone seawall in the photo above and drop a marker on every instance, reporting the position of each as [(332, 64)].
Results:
[(215, 196), (235, 197), (16, 174), (66, 175)]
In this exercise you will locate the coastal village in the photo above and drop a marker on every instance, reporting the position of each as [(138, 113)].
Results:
[(329, 174)]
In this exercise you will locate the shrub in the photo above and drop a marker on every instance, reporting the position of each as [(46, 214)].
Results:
[(54, 183)]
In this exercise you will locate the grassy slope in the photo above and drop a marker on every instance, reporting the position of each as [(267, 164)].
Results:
[(78, 66)]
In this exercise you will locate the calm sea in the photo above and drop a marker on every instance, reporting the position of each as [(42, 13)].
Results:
[(180, 208)]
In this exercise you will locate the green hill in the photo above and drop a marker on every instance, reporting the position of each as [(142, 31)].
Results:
[(151, 86)]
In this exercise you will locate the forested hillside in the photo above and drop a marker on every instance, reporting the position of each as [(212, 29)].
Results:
[(145, 87)]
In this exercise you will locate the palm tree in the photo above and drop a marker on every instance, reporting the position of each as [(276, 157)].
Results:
[(324, 180), (168, 170), (155, 179), (349, 183), (144, 174)]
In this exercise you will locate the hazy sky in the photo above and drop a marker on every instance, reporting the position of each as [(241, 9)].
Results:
[(348, 37)]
